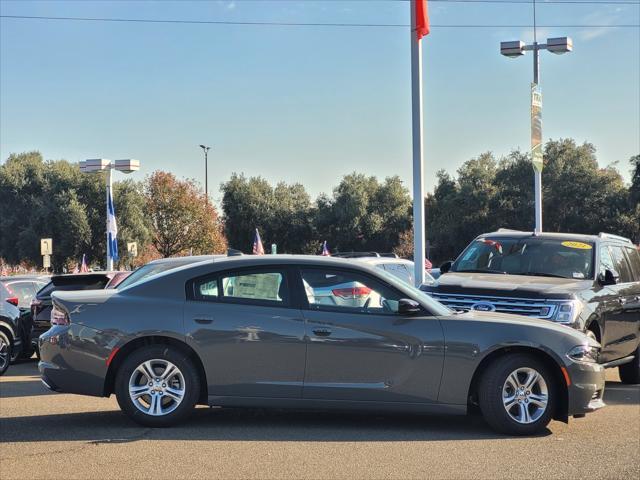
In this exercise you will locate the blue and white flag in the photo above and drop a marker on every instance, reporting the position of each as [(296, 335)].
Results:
[(112, 229)]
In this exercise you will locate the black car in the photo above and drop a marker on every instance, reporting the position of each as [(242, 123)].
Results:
[(588, 282), (10, 341), (40, 314)]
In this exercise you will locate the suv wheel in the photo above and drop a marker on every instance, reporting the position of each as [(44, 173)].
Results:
[(157, 386), (5, 352), (630, 372), (517, 395)]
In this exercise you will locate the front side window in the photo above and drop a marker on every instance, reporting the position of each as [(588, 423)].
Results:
[(621, 265), (347, 291), (606, 263), (535, 256)]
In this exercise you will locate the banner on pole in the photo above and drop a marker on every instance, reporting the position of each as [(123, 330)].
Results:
[(536, 128)]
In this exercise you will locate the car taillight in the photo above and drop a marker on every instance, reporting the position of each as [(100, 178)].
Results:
[(59, 317), (13, 301), (353, 292)]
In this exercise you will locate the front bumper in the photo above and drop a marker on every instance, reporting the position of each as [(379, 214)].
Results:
[(586, 389)]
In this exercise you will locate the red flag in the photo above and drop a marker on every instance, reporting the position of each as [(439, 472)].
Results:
[(422, 18)]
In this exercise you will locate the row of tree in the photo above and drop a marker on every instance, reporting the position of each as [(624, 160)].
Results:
[(168, 216), (53, 199)]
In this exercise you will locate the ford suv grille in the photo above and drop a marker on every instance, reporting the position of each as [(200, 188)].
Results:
[(528, 307)]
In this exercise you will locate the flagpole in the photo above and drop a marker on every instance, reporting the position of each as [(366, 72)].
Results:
[(109, 185), (418, 166)]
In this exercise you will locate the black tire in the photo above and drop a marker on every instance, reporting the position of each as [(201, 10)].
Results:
[(490, 395), (630, 372), (161, 353), (5, 352)]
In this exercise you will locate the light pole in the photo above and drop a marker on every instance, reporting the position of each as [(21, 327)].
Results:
[(206, 173), (102, 164), (514, 50)]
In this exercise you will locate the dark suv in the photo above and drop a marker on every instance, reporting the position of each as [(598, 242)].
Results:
[(588, 282)]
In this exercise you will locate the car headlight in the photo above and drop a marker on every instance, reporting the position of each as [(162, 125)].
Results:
[(568, 311), (584, 353)]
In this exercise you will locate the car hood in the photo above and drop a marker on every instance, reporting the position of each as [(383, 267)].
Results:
[(508, 285), (522, 321)]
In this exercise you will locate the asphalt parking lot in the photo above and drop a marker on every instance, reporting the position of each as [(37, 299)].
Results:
[(48, 435)]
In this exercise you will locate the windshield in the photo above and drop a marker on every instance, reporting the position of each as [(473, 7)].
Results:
[(434, 306), (535, 256), (152, 269)]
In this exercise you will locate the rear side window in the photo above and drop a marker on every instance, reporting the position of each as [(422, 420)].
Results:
[(251, 287), (634, 259), (620, 264)]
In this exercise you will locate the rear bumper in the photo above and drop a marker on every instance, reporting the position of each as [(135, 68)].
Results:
[(73, 360), (586, 391)]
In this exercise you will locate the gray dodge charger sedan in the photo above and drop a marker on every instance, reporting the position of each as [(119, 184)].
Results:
[(249, 331)]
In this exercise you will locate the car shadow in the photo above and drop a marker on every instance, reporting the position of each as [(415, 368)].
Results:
[(249, 425), (617, 393), (30, 387)]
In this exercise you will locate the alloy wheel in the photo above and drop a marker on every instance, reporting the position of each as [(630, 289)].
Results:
[(4, 353), (157, 387), (525, 395)]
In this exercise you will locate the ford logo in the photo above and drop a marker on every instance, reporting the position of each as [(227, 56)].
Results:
[(483, 307)]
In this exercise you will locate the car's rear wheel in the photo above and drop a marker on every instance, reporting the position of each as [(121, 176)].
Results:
[(5, 352), (517, 395), (157, 386), (630, 372)]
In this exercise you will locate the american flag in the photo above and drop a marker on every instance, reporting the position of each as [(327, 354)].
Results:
[(83, 265), (258, 249), (325, 250)]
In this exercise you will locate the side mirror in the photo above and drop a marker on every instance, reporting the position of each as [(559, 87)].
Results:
[(446, 266), (609, 277), (407, 306)]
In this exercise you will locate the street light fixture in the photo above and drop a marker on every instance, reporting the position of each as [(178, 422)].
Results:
[(98, 165), (515, 49), (206, 173)]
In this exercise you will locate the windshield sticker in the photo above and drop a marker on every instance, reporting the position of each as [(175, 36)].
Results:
[(494, 243), (578, 245), (578, 275)]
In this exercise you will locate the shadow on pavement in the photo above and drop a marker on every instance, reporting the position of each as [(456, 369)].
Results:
[(23, 388), (616, 393), (248, 425)]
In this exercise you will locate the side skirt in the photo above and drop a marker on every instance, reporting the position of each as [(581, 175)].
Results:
[(315, 404)]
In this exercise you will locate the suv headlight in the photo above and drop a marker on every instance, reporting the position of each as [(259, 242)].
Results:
[(584, 353), (568, 311)]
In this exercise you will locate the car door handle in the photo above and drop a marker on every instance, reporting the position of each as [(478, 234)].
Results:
[(322, 332), (203, 320)]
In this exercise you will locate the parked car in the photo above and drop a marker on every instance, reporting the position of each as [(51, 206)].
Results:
[(22, 290), (40, 314), (588, 282), (182, 338), (401, 268), (10, 341), (161, 265)]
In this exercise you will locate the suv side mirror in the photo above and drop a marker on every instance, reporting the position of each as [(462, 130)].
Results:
[(446, 266), (609, 277), (407, 306)]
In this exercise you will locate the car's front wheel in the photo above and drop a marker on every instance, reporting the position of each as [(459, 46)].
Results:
[(630, 372), (5, 352), (157, 386), (517, 395)]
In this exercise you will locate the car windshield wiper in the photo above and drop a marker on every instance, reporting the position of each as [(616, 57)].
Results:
[(540, 274), (481, 270)]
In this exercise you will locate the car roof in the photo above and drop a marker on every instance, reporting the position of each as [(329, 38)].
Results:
[(192, 258), (22, 278), (506, 233), (378, 260)]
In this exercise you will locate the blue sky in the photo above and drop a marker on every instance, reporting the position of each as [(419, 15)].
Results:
[(307, 104)]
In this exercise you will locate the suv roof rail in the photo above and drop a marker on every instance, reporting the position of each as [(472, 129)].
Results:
[(355, 254), (614, 237), (232, 252)]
